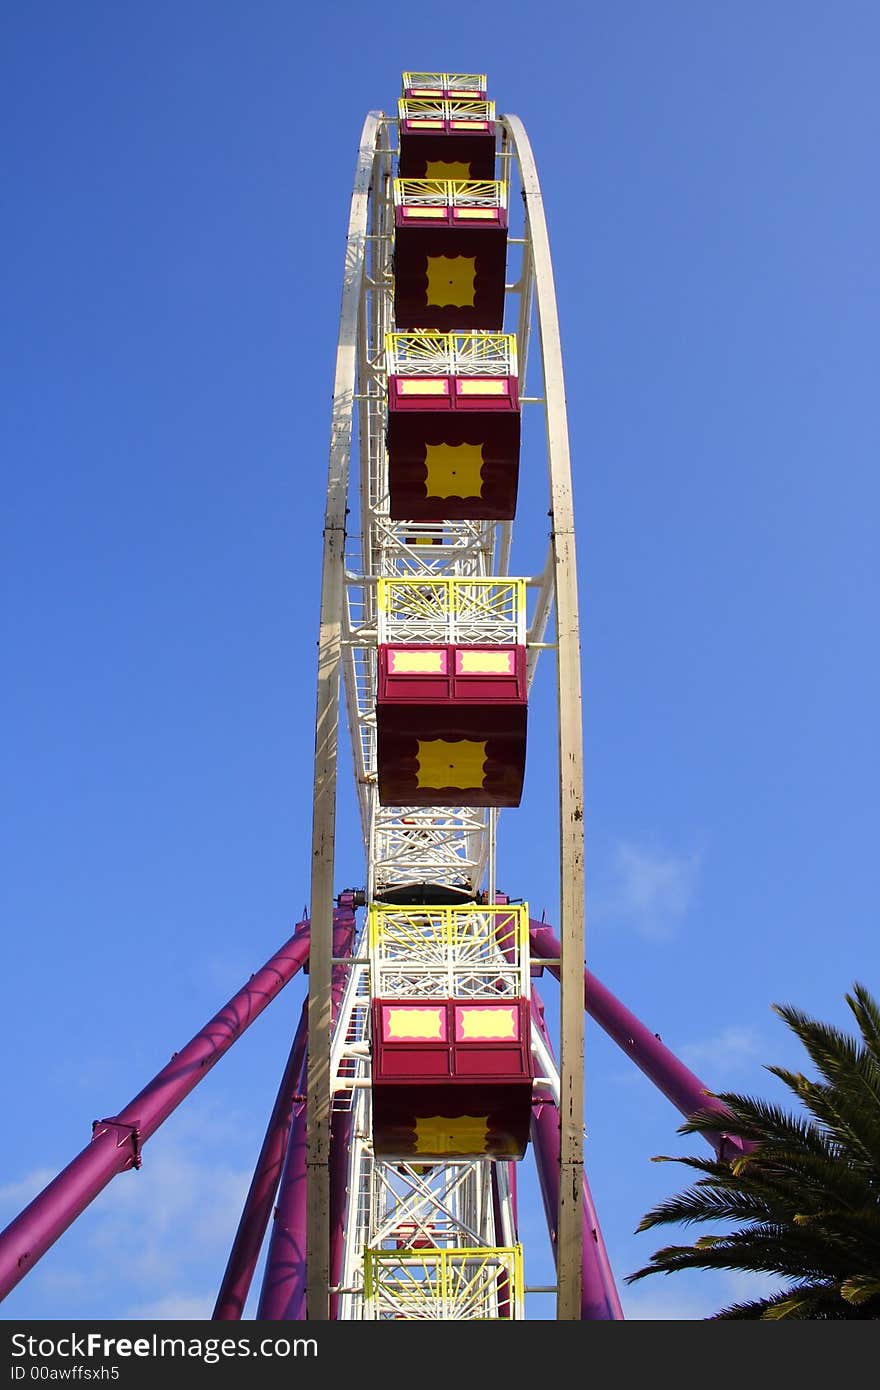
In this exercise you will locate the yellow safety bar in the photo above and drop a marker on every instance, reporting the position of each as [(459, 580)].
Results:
[(455, 596), (464, 354), (450, 192), (440, 109), (442, 608), (452, 924), (469, 1283), (445, 81)]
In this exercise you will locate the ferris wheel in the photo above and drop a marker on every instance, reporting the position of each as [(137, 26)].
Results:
[(424, 1069), (432, 1068)]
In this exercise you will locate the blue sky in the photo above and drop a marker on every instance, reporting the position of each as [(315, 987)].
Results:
[(176, 186)]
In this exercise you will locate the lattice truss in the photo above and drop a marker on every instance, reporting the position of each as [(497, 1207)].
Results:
[(412, 845)]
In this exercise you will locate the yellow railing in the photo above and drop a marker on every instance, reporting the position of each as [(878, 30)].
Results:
[(450, 354), (445, 81), (451, 951), (451, 927), (441, 609), (448, 193), (468, 1284), (441, 109)]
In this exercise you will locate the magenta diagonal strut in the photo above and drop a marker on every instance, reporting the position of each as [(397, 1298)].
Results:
[(685, 1090), (257, 1209), (116, 1142), (600, 1301), (284, 1281), (284, 1287)]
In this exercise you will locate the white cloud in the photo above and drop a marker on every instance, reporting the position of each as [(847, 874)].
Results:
[(183, 1205), (173, 1308), (18, 1194), (744, 1286), (649, 891), (664, 1304), (154, 1243), (64, 1283), (224, 974), (731, 1050), (700, 1295)]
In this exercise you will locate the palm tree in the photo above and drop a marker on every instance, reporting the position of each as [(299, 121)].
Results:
[(805, 1198)]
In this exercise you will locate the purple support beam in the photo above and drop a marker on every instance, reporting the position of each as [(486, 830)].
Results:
[(284, 1289), (284, 1293), (685, 1090), (117, 1142), (599, 1298), (341, 1130), (257, 1209)]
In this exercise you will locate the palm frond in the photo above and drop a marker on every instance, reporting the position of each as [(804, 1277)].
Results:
[(804, 1198), (861, 1289), (867, 1014)]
